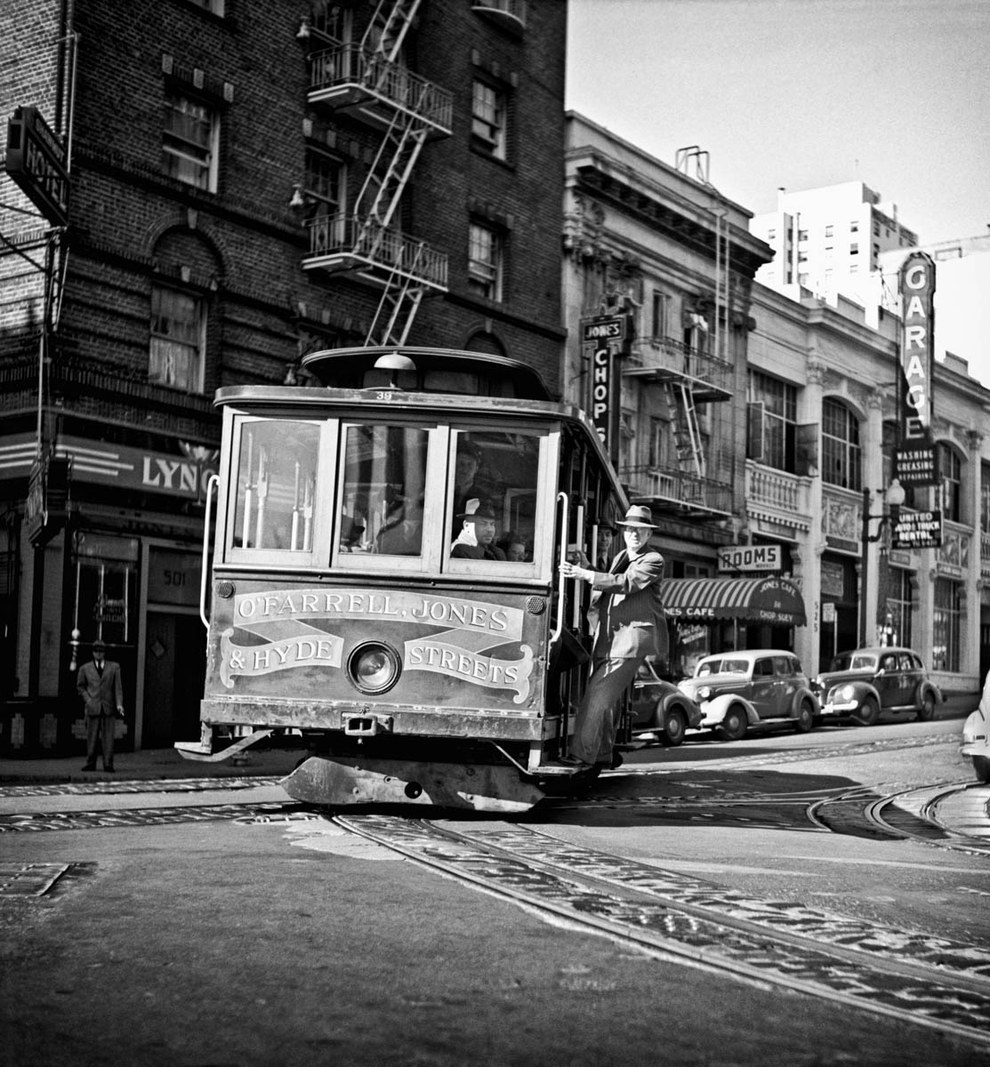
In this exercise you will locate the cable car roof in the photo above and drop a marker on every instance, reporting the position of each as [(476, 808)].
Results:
[(434, 370)]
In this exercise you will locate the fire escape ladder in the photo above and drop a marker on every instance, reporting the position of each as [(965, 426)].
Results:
[(396, 309), (388, 27), (389, 173), (687, 433)]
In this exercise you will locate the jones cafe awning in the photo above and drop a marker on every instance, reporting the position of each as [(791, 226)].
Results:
[(772, 600)]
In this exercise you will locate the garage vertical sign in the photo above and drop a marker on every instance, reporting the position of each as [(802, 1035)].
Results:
[(602, 342), (915, 459)]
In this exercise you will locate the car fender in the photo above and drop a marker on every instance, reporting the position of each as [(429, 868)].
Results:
[(927, 687), (862, 691), (801, 694), (715, 709), (976, 735)]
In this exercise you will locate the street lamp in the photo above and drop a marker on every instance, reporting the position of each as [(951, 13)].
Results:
[(893, 499)]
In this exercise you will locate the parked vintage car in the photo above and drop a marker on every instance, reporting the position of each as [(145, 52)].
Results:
[(660, 711), (859, 685), (976, 735), (749, 688)]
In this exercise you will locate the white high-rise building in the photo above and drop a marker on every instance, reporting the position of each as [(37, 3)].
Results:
[(829, 240)]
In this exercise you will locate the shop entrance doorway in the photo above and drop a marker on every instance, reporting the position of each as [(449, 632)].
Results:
[(174, 669)]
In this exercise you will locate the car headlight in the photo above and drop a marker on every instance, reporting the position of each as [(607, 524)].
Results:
[(704, 692), (845, 692), (373, 667)]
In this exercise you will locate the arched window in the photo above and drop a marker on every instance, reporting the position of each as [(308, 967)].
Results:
[(840, 446), (950, 491)]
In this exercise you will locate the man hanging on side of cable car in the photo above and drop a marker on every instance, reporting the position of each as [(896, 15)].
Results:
[(476, 539), (627, 617)]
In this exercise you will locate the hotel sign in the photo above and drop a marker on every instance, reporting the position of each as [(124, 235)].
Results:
[(749, 558), (36, 160), (915, 459)]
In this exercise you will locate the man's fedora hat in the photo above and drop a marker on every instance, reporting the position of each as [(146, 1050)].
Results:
[(639, 515), (477, 509)]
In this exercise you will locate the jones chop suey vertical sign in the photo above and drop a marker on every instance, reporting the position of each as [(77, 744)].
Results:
[(915, 460)]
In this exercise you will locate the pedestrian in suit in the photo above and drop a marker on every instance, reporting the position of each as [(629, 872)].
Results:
[(98, 684), (627, 617)]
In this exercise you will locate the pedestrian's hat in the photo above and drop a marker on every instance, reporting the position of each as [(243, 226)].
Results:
[(639, 515), (475, 508), (99, 646)]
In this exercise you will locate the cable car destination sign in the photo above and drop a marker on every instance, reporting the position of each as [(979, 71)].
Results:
[(915, 460)]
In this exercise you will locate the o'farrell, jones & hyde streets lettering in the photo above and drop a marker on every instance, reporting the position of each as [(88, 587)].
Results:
[(398, 606), (467, 628)]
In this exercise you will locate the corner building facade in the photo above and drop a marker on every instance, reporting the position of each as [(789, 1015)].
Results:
[(248, 182)]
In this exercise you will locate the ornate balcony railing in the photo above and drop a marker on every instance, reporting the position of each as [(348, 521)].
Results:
[(666, 359), (379, 253), (777, 495), (347, 75)]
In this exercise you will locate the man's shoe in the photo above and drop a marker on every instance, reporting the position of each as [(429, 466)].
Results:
[(571, 761), (89, 767), (617, 760)]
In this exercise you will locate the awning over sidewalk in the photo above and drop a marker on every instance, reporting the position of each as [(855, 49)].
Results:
[(772, 600)]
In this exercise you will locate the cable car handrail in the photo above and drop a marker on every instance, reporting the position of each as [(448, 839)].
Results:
[(211, 484), (562, 497)]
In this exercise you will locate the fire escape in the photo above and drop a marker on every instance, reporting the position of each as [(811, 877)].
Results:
[(368, 83)]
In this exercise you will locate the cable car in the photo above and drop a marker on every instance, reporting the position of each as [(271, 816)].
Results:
[(385, 577)]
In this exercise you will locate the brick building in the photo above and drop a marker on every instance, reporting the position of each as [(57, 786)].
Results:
[(248, 182)]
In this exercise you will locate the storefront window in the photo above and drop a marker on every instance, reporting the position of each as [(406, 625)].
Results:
[(946, 631), (898, 623), (106, 598)]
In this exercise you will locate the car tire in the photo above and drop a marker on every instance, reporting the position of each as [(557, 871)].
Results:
[(926, 709), (982, 767), (733, 726), (674, 728), (868, 714), (805, 720)]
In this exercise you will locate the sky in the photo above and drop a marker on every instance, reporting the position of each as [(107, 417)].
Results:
[(801, 94)]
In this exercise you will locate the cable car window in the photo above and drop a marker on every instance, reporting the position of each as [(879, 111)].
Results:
[(275, 479), (383, 490), (495, 505)]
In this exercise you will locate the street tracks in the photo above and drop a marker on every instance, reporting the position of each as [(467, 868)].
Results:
[(907, 976)]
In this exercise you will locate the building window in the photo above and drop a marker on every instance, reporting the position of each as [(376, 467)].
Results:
[(854, 249), (661, 315), (829, 231), (840, 446), (779, 413), (189, 142), (771, 234), (325, 184), (854, 227), (655, 445), (950, 491), (485, 262), (802, 235), (488, 119), (899, 605), (985, 498), (946, 628), (178, 332)]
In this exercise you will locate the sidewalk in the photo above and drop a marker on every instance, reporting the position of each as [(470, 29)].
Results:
[(151, 764)]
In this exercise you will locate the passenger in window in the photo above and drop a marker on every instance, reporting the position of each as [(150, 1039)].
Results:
[(402, 534), (351, 533), (466, 466), (515, 547), (606, 535), (477, 537)]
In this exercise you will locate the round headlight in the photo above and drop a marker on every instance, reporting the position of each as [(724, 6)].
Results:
[(373, 667), (847, 692), (704, 692)]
